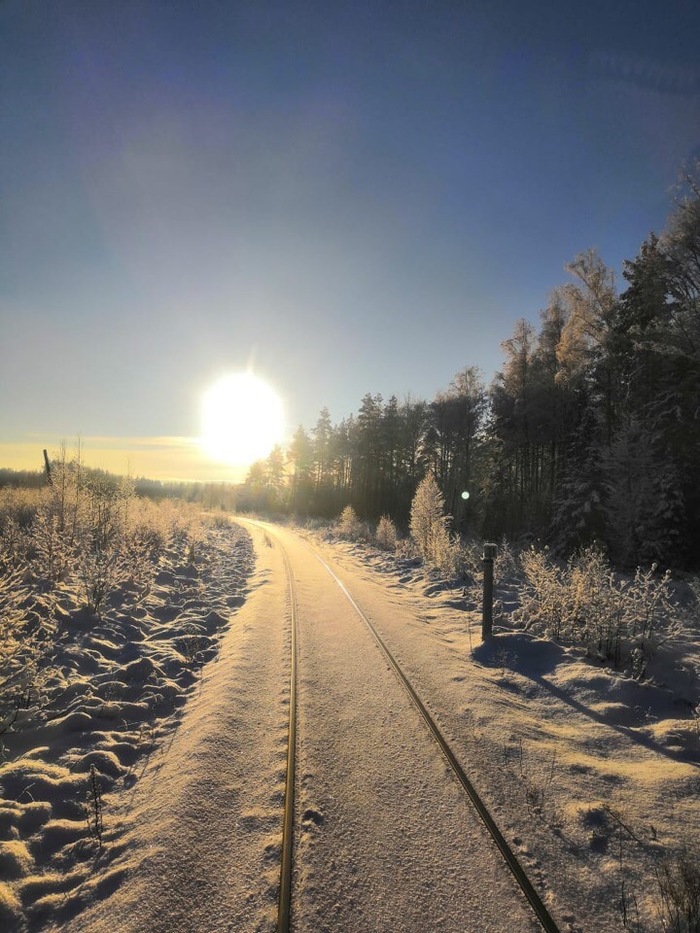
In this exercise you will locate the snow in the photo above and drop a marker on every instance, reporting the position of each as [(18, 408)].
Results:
[(112, 701), (201, 839), (390, 840), (179, 705), (560, 747)]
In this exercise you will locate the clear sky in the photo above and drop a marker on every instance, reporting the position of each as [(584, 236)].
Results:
[(350, 196)]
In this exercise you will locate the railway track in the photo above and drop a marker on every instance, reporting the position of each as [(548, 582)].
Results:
[(284, 916)]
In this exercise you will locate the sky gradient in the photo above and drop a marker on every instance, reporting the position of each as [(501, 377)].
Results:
[(350, 197)]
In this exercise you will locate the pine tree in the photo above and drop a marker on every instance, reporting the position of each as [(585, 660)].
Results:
[(456, 418), (301, 457), (367, 456), (643, 504), (579, 518), (321, 435), (428, 523)]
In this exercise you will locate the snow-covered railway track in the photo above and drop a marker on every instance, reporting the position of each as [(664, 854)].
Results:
[(509, 856), (293, 831)]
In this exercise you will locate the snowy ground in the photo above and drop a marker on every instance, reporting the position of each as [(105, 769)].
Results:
[(389, 840), (181, 705), (107, 709), (594, 777)]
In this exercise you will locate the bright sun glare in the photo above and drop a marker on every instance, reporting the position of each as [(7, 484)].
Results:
[(242, 419)]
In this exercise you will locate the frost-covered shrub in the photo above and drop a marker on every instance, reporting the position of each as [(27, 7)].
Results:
[(544, 600), (185, 521), (148, 526), (11, 616), (14, 544), (18, 509), (101, 570), (428, 523), (430, 530), (595, 605), (349, 525), (576, 602), (648, 607), (218, 520), (507, 563), (679, 894), (406, 549), (386, 536), (52, 551), (102, 530), (104, 512), (584, 602), (127, 536), (88, 528), (446, 553), (26, 640)]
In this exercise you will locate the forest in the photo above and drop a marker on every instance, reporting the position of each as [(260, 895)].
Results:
[(589, 433)]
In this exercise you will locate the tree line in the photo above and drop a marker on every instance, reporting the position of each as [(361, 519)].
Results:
[(590, 432)]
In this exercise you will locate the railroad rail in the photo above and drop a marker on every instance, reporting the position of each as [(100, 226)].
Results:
[(284, 908), (285, 891)]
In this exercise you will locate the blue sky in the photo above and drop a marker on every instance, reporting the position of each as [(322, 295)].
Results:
[(353, 197)]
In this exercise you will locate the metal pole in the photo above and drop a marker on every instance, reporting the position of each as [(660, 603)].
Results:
[(490, 551)]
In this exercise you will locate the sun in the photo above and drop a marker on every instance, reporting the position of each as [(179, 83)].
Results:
[(242, 419)]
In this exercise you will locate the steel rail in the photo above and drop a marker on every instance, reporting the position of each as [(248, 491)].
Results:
[(509, 856), (284, 907)]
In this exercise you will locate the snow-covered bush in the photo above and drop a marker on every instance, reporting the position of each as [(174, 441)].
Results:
[(447, 555), (14, 542), (386, 536), (100, 572), (90, 528), (429, 528), (102, 529), (618, 619), (545, 599), (55, 673), (52, 551), (507, 562), (428, 523), (12, 594), (349, 525), (651, 615), (596, 609), (406, 549)]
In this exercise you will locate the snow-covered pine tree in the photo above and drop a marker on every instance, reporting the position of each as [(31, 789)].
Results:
[(428, 523), (578, 518), (386, 535), (643, 503), (349, 525)]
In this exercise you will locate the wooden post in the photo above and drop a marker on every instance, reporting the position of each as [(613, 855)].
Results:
[(490, 551), (47, 465)]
